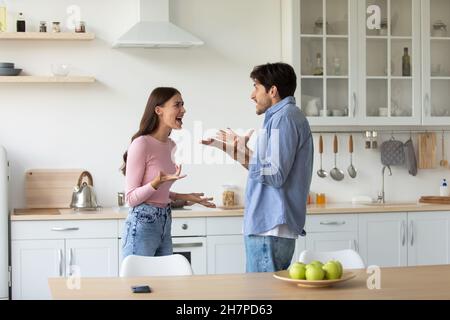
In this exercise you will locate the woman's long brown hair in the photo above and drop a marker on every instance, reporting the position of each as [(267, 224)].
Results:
[(150, 121)]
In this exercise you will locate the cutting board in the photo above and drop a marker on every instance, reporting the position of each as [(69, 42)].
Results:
[(50, 188), (427, 150), (435, 200)]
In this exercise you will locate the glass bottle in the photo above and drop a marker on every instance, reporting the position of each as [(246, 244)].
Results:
[(56, 27), (80, 27), (406, 64), (43, 26), (337, 66), (318, 69), (3, 26), (21, 26)]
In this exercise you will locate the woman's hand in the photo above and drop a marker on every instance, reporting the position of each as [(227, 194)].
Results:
[(193, 198), (162, 177)]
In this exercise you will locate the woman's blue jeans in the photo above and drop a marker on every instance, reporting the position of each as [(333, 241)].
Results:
[(147, 231)]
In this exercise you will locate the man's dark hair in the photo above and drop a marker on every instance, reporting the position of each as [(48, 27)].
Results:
[(280, 75)]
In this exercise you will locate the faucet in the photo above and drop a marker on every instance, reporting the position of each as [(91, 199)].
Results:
[(381, 197)]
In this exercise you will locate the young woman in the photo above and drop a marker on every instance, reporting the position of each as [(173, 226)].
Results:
[(150, 172)]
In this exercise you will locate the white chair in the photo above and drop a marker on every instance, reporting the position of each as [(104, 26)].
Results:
[(141, 266), (350, 259)]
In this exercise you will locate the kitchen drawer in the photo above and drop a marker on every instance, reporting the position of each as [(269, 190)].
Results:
[(183, 227), (331, 223), (224, 225), (74, 229)]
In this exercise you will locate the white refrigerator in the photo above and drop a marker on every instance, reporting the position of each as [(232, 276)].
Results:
[(4, 221)]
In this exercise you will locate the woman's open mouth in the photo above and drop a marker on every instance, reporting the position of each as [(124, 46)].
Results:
[(179, 120)]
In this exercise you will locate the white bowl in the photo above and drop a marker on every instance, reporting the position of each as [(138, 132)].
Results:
[(60, 70)]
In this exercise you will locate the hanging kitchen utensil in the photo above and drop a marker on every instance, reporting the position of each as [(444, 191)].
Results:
[(427, 150), (321, 173), (351, 169), (83, 197), (444, 162), (336, 173)]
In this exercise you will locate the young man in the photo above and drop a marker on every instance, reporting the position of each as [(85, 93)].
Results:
[(280, 169)]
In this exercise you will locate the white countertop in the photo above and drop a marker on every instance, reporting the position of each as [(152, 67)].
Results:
[(200, 211)]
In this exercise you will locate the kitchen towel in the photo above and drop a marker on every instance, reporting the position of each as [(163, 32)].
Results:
[(392, 153), (410, 157)]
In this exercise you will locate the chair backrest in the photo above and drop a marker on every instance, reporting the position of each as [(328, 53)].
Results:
[(349, 259), (141, 266)]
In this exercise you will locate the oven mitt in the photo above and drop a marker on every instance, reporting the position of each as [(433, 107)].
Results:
[(392, 153), (410, 157)]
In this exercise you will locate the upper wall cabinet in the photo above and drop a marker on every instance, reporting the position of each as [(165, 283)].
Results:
[(389, 62), (320, 41), (436, 61), (359, 61)]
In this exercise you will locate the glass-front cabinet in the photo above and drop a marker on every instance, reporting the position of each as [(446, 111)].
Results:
[(324, 31), (436, 62), (390, 61), (370, 62)]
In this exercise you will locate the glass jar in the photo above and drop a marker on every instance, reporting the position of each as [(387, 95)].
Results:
[(43, 26), (229, 195), (56, 27), (80, 27), (439, 29), (318, 26), (321, 198)]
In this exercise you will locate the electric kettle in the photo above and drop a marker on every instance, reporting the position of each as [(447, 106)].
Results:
[(83, 196)]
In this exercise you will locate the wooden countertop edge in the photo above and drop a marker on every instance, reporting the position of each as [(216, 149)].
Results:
[(109, 213)]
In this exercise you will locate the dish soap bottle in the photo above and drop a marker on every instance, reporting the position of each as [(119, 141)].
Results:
[(444, 190), (2, 16)]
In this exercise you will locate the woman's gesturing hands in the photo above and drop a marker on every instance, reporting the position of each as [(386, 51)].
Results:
[(162, 177)]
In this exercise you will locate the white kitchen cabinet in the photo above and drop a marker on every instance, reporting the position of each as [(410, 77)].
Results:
[(328, 97), (91, 245), (428, 238), (92, 257), (225, 245), (332, 241), (226, 254), (435, 62), (373, 88), (383, 239), (332, 232), (33, 262), (300, 246)]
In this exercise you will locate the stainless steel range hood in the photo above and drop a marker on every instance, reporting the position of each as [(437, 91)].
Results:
[(154, 30)]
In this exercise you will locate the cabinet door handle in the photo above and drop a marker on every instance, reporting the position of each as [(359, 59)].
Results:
[(60, 257), (70, 261), (403, 233), (427, 105), (355, 244), (184, 226), (187, 245), (411, 226), (355, 104), (65, 229), (332, 223)]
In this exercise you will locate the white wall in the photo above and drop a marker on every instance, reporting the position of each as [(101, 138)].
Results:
[(89, 126)]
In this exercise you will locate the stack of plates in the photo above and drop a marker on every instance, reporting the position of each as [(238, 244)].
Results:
[(7, 69)]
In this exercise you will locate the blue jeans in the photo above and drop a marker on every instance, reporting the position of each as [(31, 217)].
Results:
[(268, 253), (147, 231)]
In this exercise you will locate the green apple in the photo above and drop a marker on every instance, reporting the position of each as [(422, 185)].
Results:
[(314, 272), (332, 270), (341, 269), (297, 270), (316, 263)]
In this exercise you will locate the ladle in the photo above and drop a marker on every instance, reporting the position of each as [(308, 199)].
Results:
[(321, 173), (336, 173)]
